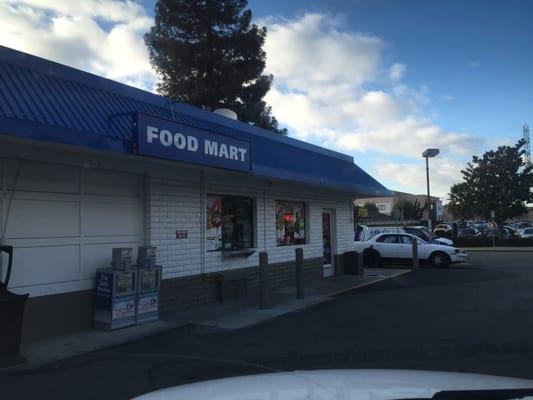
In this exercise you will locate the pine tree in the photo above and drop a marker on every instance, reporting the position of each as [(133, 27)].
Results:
[(209, 54)]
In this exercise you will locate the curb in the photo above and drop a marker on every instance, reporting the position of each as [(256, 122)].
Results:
[(498, 249)]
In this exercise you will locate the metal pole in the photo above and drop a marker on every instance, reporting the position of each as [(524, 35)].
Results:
[(300, 291), (428, 202), (263, 280), (415, 254)]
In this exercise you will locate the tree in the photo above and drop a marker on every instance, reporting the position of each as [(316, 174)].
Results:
[(500, 180), (461, 203), (408, 210), (208, 54), (371, 207)]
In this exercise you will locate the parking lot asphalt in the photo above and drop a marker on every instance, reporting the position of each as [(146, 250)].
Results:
[(474, 317)]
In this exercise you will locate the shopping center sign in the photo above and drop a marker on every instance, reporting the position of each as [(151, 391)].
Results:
[(162, 138)]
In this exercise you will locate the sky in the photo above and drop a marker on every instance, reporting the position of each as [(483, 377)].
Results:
[(381, 80)]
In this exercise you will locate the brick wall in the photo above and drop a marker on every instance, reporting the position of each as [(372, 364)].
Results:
[(177, 202), (183, 292)]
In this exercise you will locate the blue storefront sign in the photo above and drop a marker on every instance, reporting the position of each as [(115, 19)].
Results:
[(161, 138)]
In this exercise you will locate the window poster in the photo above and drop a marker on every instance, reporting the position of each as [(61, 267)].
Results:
[(214, 223), (290, 223)]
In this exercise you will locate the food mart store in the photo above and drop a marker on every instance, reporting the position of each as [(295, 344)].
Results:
[(88, 164)]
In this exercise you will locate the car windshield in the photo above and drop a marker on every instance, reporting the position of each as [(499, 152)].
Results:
[(318, 191)]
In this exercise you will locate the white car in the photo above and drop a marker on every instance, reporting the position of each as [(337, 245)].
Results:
[(364, 232), (351, 385), (526, 233), (399, 246), (443, 227)]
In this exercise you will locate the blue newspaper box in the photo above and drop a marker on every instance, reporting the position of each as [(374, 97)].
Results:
[(115, 298)]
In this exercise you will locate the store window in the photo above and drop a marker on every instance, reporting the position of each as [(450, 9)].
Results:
[(290, 223), (229, 223)]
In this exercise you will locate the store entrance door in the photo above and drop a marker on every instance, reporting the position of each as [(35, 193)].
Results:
[(327, 240)]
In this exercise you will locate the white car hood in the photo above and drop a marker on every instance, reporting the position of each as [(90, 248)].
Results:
[(337, 384), (444, 241)]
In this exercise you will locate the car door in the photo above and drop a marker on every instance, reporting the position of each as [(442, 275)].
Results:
[(405, 247), (387, 246)]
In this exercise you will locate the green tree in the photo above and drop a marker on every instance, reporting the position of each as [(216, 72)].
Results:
[(500, 180), (371, 207), (461, 203), (408, 209), (209, 54)]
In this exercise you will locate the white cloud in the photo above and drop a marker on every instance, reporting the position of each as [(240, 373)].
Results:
[(313, 50), (411, 176), (100, 36), (473, 64), (397, 71), (332, 86)]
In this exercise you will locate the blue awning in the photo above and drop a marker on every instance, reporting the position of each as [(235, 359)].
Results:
[(46, 101)]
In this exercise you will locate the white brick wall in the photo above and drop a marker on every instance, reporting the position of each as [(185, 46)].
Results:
[(174, 203)]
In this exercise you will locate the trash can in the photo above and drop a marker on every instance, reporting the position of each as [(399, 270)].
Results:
[(11, 315), (353, 264), (350, 263)]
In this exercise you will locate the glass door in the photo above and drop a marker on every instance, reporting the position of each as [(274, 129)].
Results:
[(327, 239)]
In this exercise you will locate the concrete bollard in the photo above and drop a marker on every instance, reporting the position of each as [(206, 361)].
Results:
[(360, 264), (300, 291), (264, 301), (415, 255)]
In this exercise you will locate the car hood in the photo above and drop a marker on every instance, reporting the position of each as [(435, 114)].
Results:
[(337, 384), (444, 241)]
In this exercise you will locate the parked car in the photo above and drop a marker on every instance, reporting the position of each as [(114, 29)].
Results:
[(526, 233), (482, 228), (506, 233), (425, 234), (443, 227), (364, 232), (399, 247), (512, 230), (468, 233), (521, 225), (443, 230)]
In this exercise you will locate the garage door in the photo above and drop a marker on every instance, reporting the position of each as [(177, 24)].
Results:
[(63, 222)]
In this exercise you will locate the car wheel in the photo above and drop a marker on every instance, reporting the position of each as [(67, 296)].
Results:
[(440, 260), (371, 258)]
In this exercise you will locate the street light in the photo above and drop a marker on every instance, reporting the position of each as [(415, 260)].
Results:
[(427, 154)]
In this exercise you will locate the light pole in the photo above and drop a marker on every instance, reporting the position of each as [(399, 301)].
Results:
[(427, 154)]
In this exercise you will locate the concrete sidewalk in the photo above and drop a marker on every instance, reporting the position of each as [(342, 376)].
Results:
[(228, 315), (499, 249), (245, 312)]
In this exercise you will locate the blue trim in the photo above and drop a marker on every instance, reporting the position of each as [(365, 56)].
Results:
[(44, 100), (36, 131)]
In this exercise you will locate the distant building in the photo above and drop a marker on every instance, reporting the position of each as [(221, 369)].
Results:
[(385, 204)]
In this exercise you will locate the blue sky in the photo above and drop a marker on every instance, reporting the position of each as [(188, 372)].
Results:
[(380, 80)]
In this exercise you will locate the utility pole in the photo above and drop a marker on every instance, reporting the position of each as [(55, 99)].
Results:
[(428, 201), (525, 133), (429, 153)]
